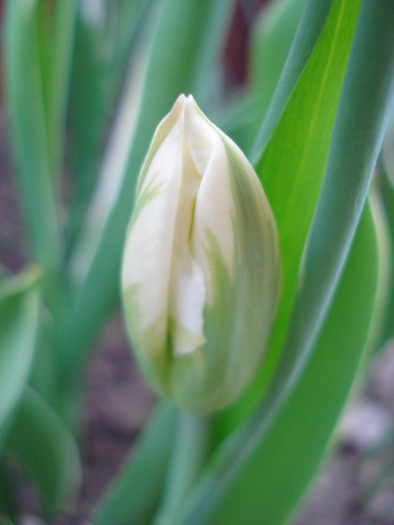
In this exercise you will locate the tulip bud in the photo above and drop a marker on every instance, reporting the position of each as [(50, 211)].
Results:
[(200, 274)]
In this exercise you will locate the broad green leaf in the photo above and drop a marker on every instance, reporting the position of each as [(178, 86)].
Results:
[(25, 91), (261, 471), (46, 449), (19, 305), (292, 164), (174, 57), (135, 493)]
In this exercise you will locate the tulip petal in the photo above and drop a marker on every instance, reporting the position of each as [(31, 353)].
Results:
[(214, 203), (187, 288), (149, 244)]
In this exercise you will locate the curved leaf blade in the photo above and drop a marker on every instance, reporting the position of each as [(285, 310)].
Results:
[(135, 494), (62, 50), (272, 37), (26, 99), (102, 45), (19, 307), (190, 451), (292, 166), (363, 113), (314, 18), (46, 449)]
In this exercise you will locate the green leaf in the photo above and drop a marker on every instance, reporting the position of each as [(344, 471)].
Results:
[(61, 47), (51, 38), (362, 118), (292, 164), (102, 47), (135, 493), (128, 16), (313, 21), (44, 371), (19, 306), (91, 103), (189, 454), (46, 449), (25, 91), (263, 469)]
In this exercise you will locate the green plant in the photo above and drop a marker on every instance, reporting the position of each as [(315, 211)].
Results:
[(311, 121)]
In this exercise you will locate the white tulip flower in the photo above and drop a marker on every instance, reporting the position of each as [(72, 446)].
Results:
[(201, 271)]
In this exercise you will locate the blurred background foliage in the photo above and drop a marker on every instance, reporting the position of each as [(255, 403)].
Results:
[(304, 89)]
